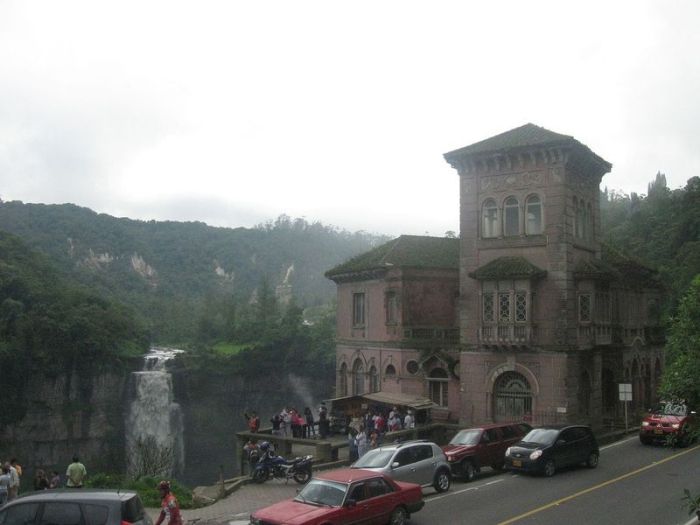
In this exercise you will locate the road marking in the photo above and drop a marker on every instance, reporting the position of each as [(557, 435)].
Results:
[(596, 487), (618, 443), (455, 492)]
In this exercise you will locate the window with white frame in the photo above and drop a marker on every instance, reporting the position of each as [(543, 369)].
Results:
[(490, 225), (504, 307), (520, 307), (438, 381), (358, 309), (506, 302), (533, 210), (488, 308), (511, 217)]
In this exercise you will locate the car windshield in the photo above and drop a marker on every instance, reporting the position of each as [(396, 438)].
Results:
[(322, 492), (671, 409), (466, 437), (541, 436), (374, 459)]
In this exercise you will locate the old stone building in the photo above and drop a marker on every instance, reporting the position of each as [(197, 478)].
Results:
[(526, 315)]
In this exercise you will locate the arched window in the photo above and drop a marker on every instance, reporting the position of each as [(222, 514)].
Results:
[(579, 207), (343, 380), (511, 217), (533, 207), (437, 386), (358, 378), (489, 219), (390, 372), (373, 379), (512, 397)]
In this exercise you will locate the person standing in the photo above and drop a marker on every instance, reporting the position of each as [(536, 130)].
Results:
[(170, 508), (362, 443), (409, 421), (323, 426), (55, 482), (13, 489), (41, 482), (4, 484), (253, 422), (75, 474), (310, 423)]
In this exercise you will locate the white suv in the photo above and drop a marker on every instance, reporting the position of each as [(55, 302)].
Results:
[(420, 462)]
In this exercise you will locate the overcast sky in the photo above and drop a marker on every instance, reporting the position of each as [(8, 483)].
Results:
[(234, 112)]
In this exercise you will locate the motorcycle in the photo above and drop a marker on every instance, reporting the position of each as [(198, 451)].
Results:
[(271, 467)]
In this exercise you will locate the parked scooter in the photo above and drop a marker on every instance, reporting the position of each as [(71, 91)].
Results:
[(271, 466)]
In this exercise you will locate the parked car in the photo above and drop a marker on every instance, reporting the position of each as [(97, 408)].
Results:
[(547, 449), (474, 448), (346, 496), (76, 507), (666, 421), (421, 462)]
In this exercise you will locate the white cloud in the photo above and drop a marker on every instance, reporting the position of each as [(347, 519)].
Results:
[(338, 112)]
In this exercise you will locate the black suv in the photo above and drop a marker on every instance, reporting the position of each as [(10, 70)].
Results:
[(547, 449), (76, 507)]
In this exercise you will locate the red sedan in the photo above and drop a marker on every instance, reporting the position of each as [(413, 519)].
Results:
[(346, 496)]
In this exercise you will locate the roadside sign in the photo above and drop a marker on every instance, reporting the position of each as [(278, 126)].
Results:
[(625, 391)]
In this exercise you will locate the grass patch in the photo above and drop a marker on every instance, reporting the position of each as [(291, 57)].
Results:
[(146, 488), (229, 348)]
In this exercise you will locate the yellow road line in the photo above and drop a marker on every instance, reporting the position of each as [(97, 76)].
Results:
[(596, 487)]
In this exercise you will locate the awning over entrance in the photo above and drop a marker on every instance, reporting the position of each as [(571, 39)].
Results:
[(358, 404)]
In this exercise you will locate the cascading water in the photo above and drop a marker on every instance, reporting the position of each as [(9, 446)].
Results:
[(154, 423)]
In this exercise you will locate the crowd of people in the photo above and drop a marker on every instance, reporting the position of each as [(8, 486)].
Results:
[(11, 477), (367, 432), (290, 422), (363, 432)]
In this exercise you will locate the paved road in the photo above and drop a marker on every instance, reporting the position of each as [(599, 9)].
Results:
[(633, 484)]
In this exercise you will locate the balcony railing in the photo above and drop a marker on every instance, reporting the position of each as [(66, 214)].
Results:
[(507, 334)]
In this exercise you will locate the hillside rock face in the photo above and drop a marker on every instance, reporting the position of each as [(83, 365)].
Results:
[(69, 414)]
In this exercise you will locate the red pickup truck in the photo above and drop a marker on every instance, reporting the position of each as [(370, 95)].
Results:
[(668, 421), (477, 447)]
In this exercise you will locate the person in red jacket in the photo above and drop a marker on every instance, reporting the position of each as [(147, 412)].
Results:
[(170, 508)]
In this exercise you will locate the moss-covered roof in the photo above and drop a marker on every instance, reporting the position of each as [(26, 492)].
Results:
[(595, 269), (405, 251), (522, 138), (631, 272), (508, 268)]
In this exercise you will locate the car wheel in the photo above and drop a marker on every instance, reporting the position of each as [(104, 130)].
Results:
[(442, 481), (550, 468), (592, 461), (302, 476), (399, 516), (469, 470), (498, 466)]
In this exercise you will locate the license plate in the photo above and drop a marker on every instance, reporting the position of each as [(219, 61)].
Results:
[(658, 431), (517, 463)]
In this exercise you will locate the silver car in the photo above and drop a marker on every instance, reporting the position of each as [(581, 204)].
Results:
[(420, 462)]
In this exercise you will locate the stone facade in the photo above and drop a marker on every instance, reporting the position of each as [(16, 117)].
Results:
[(550, 321)]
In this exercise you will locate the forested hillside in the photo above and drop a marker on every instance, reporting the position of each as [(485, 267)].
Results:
[(52, 325), (662, 229), (185, 278)]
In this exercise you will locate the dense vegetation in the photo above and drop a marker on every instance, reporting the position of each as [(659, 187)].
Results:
[(661, 229), (50, 324), (186, 279)]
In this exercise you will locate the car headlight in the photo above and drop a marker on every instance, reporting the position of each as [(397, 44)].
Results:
[(536, 454), (645, 423), (508, 451), (450, 458), (676, 426)]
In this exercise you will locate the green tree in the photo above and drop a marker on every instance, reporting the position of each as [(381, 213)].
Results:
[(680, 380)]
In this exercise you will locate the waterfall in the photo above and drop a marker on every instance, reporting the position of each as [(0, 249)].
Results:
[(154, 423)]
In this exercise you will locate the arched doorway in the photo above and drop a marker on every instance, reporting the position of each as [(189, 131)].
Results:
[(373, 379), (358, 377), (438, 380), (512, 397)]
